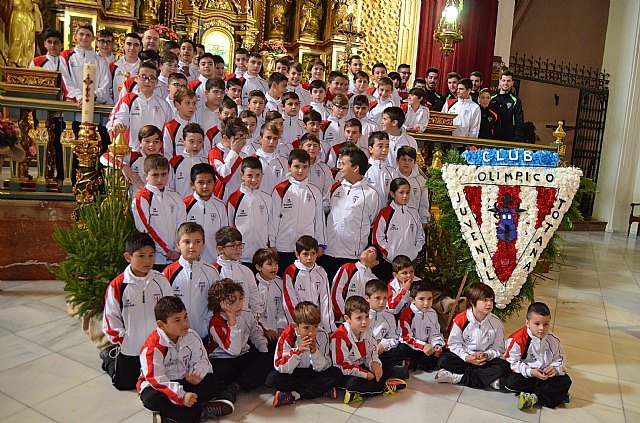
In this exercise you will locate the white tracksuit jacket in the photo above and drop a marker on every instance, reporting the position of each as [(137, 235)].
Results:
[(181, 165), (379, 177), (273, 317), (320, 176), (232, 342), (419, 198), (191, 283), (349, 281), (128, 316), (418, 329), (384, 328), (468, 120), (288, 356), (74, 60), (398, 231), (249, 212), (346, 354), (211, 215), (274, 169), (252, 83), (397, 141), (468, 335), (526, 352), (398, 296), (291, 129), (243, 275)]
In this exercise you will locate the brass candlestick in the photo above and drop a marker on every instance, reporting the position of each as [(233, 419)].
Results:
[(560, 146), (88, 180)]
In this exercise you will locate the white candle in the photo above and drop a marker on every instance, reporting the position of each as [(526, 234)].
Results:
[(88, 92)]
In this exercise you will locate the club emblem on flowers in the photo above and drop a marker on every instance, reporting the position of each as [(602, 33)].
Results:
[(508, 213)]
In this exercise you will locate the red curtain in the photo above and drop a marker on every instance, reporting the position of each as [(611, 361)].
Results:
[(475, 52)]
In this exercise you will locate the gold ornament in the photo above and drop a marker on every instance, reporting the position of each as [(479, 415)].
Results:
[(25, 22)]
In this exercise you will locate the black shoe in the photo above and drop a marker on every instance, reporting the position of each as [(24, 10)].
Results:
[(106, 357), (216, 408)]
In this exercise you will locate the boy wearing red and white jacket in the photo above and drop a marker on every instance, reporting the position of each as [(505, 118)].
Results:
[(476, 343), (416, 115), (319, 172), (231, 328), (354, 351), (128, 312), (537, 362), (304, 280), (191, 278), (172, 138), (274, 166), (303, 368), (127, 65), (226, 158), (205, 209), (177, 379), (292, 128), (273, 320), (392, 121), (333, 127), (53, 42), (230, 246), (383, 324), (419, 198), (248, 210), (420, 337), (182, 164), (252, 79), (206, 68), (376, 108), (352, 278), (400, 287), (380, 174), (158, 211)]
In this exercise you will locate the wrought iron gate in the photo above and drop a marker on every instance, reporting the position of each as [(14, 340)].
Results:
[(592, 108)]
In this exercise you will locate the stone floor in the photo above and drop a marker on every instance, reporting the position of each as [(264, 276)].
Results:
[(49, 371)]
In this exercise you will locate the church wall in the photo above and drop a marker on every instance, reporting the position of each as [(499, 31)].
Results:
[(569, 31)]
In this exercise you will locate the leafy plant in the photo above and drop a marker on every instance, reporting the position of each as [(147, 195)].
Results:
[(448, 255), (95, 248)]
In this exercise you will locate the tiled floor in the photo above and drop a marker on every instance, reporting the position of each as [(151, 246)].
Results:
[(49, 371)]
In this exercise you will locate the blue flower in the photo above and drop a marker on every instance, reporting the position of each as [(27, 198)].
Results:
[(511, 157)]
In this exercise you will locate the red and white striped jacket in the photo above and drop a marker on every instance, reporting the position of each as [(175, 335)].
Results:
[(419, 328), (118, 71), (181, 165), (249, 212), (379, 177), (198, 86), (52, 63), (398, 231), (226, 163), (159, 213), (172, 139), (468, 335), (526, 352), (351, 354), (231, 342), (397, 141), (211, 215), (129, 300), (384, 328), (288, 356), (303, 284), (241, 274), (274, 169), (398, 296), (162, 362), (191, 283), (349, 281), (74, 61)]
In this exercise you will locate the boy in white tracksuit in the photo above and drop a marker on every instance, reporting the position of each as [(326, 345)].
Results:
[(380, 174), (296, 210), (191, 278), (273, 320), (204, 208), (419, 198), (398, 231), (181, 164), (128, 316), (352, 278), (319, 172), (468, 120), (304, 280), (274, 166)]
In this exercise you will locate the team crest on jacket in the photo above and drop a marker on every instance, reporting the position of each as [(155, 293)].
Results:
[(508, 213)]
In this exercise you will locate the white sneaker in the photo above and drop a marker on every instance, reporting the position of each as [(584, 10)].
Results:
[(445, 376)]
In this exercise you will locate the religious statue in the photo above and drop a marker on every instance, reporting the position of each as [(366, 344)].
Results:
[(279, 18), (149, 12), (24, 23), (310, 16), (340, 13)]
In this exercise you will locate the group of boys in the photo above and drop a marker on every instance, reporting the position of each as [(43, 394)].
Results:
[(200, 343)]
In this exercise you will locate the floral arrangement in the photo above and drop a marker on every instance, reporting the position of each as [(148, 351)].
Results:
[(8, 135), (273, 47), (511, 157), (509, 214), (165, 33)]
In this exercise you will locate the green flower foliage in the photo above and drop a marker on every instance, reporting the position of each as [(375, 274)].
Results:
[(449, 257), (94, 249)]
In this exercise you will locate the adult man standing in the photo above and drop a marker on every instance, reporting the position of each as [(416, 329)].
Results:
[(476, 81), (509, 109), (432, 96)]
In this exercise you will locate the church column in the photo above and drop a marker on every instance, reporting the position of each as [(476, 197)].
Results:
[(619, 176), (504, 28)]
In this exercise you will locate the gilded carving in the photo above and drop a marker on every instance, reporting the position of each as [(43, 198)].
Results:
[(380, 25), (31, 81), (149, 12), (220, 5), (279, 18), (310, 17)]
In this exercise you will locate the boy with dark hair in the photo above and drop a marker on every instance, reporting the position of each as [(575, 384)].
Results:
[(208, 113), (253, 140), (391, 123), (127, 65), (206, 68), (238, 365), (354, 205), (173, 140), (230, 247), (360, 106), (335, 86), (127, 317), (158, 211), (379, 72), (420, 339), (361, 87), (384, 100), (226, 157), (51, 61), (354, 351), (256, 104), (193, 154), (104, 42), (355, 66), (508, 107), (199, 52), (319, 172), (468, 113), (318, 91), (352, 277), (312, 124), (296, 210), (453, 78), (205, 209), (302, 360), (537, 362), (185, 65), (433, 97), (277, 87), (416, 115), (292, 125), (248, 210), (476, 343), (419, 198), (168, 64), (295, 84), (380, 173), (226, 110), (305, 280), (404, 277), (177, 81), (316, 69), (488, 118), (282, 66), (252, 79), (242, 56), (273, 320), (191, 277), (177, 379), (332, 128), (420, 83), (234, 91)]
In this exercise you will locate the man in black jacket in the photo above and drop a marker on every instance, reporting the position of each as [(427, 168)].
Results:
[(509, 109), (432, 96)]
